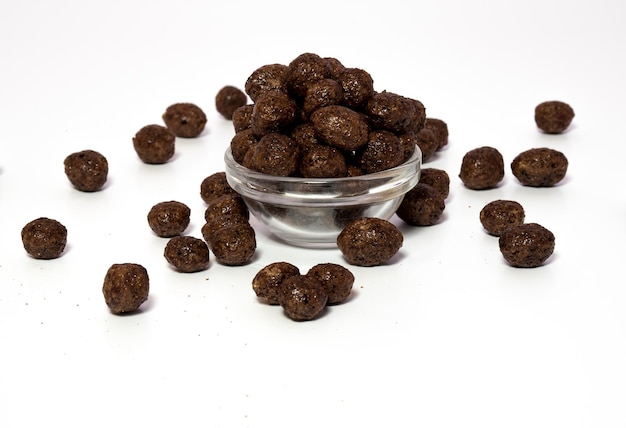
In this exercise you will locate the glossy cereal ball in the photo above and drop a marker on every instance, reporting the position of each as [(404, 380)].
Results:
[(337, 280), (214, 186), (185, 120), (274, 154), (126, 287), (187, 254), (87, 170), (526, 245), (267, 281), (229, 99), (302, 297), (553, 117), (438, 178), (423, 205), (497, 215), (168, 219), (482, 168), (369, 241), (540, 167), (44, 238), (233, 245), (268, 77), (154, 144), (340, 127)]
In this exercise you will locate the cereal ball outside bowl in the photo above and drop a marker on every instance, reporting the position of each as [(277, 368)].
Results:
[(311, 212)]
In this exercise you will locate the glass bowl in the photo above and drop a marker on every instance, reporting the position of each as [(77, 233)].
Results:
[(311, 212)]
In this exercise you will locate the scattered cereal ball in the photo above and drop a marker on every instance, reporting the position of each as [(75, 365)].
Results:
[(218, 222), (168, 219), (336, 279), (267, 281), (390, 111), (323, 93), (229, 99), (87, 170), (322, 161), (302, 297), (482, 168), (154, 144), (553, 117), (231, 203), (126, 287), (242, 117), (540, 167), (187, 254), (214, 186), (526, 245), (233, 245), (304, 70), (185, 120), (273, 111), (44, 238), (369, 241), (440, 129), (357, 86), (438, 178), (383, 150), (274, 154), (241, 143), (500, 214), (340, 127), (266, 78), (423, 205)]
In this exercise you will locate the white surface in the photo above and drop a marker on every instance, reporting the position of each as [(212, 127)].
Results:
[(447, 335)]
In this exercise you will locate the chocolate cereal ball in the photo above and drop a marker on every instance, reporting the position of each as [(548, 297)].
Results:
[(266, 78), (382, 151), (214, 186), (440, 129), (437, 178), (336, 279), (231, 203), (229, 99), (357, 86), (218, 222), (242, 117), (303, 71), (274, 154), (44, 238), (323, 93), (340, 127), (482, 168), (427, 142), (267, 281), (526, 245), (540, 167), (241, 143), (168, 219), (187, 254), (154, 144), (233, 245), (126, 287), (185, 120), (369, 241), (322, 161), (302, 297), (273, 111), (553, 117), (87, 170), (499, 214), (423, 205), (390, 111)]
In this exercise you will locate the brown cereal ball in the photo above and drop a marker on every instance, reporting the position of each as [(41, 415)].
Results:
[(336, 279), (553, 117), (440, 129), (304, 136), (233, 245), (482, 168), (154, 144), (229, 99), (231, 203), (241, 143), (437, 178), (168, 219), (390, 111), (340, 127), (242, 117), (540, 167), (304, 70), (87, 170), (427, 142), (357, 86), (499, 214), (369, 241), (267, 281), (322, 161), (266, 78), (44, 238), (273, 111), (185, 120), (409, 144), (302, 297), (418, 120), (421, 206), (382, 151), (323, 93), (187, 254), (126, 286), (214, 186), (526, 245), (219, 222), (274, 154)]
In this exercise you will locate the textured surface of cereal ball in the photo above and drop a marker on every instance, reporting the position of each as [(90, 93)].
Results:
[(340, 127), (336, 279), (499, 214), (266, 78), (168, 219), (218, 222), (390, 111), (369, 241), (335, 67), (440, 129), (274, 154), (242, 117), (214, 186), (323, 93), (553, 117), (231, 203), (322, 161), (229, 99), (304, 70), (527, 245), (418, 119), (427, 142), (154, 144), (187, 254), (302, 297), (185, 120), (241, 143), (87, 170), (540, 167), (304, 136), (44, 238), (408, 140), (482, 168), (267, 281), (273, 111), (423, 205), (233, 245), (438, 178), (357, 86), (126, 286), (383, 150)]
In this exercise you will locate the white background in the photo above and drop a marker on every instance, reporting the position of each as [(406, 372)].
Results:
[(445, 335)]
